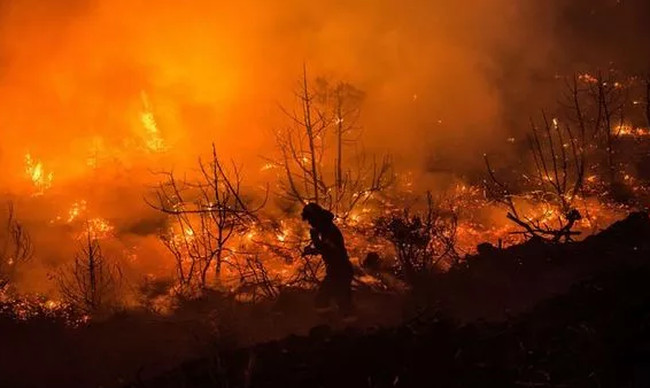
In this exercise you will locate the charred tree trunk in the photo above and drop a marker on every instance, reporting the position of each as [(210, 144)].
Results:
[(339, 148), (309, 127), (91, 281), (607, 117)]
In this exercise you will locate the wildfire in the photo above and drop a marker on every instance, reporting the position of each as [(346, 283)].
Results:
[(153, 140), (359, 216), (277, 244), (77, 209), (282, 234), (588, 78), (35, 171), (52, 304), (23, 308), (631, 131), (181, 237), (95, 227), (98, 228)]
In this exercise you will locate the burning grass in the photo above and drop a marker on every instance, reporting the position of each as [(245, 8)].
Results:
[(214, 230), (263, 256), (41, 308)]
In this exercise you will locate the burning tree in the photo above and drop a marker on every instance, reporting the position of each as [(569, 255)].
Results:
[(205, 213), (15, 247), (92, 281), (557, 180), (320, 156), (422, 240), (597, 105)]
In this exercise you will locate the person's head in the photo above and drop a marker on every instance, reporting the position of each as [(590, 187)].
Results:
[(317, 217)]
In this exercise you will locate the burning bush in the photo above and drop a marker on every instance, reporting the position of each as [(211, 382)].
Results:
[(33, 308), (422, 240), (609, 110), (555, 183), (270, 259)]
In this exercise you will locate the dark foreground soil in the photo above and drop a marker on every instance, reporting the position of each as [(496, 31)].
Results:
[(534, 315), (596, 334)]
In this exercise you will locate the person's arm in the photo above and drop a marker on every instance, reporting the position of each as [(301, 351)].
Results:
[(316, 239), (316, 246)]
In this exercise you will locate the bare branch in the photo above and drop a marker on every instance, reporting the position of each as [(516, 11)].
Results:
[(204, 215)]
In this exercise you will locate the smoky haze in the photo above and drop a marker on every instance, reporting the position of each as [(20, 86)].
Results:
[(74, 72), (444, 82), (437, 74)]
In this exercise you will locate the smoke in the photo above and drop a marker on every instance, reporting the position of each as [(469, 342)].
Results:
[(445, 81), (75, 72)]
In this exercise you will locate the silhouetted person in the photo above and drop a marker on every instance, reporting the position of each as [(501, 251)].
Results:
[(327, 241)]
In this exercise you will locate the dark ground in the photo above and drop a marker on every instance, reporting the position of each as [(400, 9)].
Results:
[(473, 326), (597, 334)]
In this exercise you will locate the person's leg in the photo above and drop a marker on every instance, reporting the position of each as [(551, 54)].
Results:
[(344, 295), (324, 294)]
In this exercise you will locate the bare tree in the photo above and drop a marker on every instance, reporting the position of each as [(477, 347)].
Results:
[(205, 214), (15, 247), (557, 180), (597, 105), (421, 239), (302, 147), (320, 152), (612, 98), (92, 281), (345, 100)]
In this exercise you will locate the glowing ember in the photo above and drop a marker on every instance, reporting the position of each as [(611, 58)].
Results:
[(99, 228), (631, 131), (588, 78), (153, 140), (52, 304), (41, 179), (35, 307), (96, 229), (282, 235), (76, 210)]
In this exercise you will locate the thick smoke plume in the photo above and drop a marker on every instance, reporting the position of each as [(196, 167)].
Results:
[(75, 73)]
